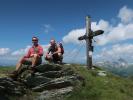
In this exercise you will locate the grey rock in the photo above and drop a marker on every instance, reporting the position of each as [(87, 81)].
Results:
[(48, 67), (102, 73), (33, 81), (50, 82), (10, 87), (56, 94), (55, 84), (52, 74)]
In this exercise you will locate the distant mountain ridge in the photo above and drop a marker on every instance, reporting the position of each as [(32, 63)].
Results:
[(120, 67), (120, 63)]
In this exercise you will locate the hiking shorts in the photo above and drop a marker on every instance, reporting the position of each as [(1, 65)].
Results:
[(58, 56), (28, 61), (54, 57)]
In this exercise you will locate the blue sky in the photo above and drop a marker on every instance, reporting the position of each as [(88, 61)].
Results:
[(22, 19)]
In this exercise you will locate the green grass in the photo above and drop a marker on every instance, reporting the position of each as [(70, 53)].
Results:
[(110, 87), (97, 87), (5, 70)]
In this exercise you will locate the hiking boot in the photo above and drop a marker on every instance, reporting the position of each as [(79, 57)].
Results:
[(33, 70), (13, 75)]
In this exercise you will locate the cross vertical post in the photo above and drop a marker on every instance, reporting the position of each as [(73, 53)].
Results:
[(88, 42)]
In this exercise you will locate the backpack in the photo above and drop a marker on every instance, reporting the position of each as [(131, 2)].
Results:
[(62, 48)]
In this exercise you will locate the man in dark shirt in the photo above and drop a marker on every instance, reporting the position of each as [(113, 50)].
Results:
[(54, 53)]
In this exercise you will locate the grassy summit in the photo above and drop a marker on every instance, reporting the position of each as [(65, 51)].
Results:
[(110, 87)]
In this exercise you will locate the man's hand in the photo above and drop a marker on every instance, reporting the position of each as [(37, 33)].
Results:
[(34, 55), (47, 55), (55, 53)]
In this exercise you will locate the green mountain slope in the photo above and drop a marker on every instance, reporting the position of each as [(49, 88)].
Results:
[(97, 87), (110, 87)]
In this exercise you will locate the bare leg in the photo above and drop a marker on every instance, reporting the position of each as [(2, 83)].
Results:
[(14, 74), (60, 56), (19, 64), (34, 60), (48, 58)]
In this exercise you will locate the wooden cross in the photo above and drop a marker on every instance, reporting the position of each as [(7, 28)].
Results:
[(89, 37)]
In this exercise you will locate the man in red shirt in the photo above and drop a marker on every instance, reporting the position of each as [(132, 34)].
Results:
[(33, 57)]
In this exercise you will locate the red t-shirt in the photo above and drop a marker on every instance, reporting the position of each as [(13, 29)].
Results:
[(34, 50)]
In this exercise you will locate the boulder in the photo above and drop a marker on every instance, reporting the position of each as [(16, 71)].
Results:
[(55, 94), (49, 81), (55, 84), (48, 67), (10, 87)]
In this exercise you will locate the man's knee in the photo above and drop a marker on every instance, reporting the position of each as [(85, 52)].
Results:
[(47, 57), (36, 56), (21, 60), (60, 55)]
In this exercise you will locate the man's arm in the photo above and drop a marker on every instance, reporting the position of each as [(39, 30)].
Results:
[(49, 50), (58, 50), (28, 54)]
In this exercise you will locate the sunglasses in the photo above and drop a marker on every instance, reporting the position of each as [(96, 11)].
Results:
[(34, 40)]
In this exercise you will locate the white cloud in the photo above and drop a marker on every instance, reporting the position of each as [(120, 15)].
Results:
[(73, 35), (20, 52), (119, 33), (74, 55), (116, 51), (4, 51), (47, 28), (5, 56), (112, 34), (24, 51), (126, 14), (102, 24)]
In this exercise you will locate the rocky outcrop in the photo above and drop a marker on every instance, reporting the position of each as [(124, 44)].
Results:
[(49, 81), (8, 87)]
